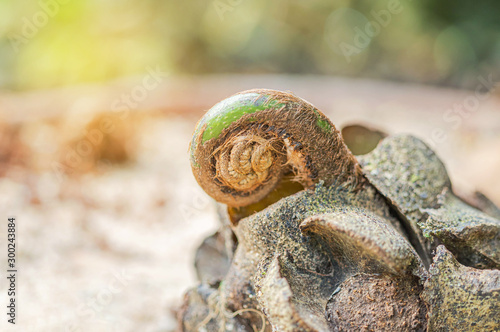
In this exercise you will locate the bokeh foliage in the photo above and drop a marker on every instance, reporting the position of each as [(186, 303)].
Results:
[(437, 42)]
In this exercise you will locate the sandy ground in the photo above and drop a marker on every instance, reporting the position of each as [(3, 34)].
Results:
[(110, 251), (110, 247)]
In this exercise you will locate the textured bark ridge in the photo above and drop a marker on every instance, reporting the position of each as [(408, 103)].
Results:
[(352, 250)]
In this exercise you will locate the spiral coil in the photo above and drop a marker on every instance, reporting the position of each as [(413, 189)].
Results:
[(244, 162)]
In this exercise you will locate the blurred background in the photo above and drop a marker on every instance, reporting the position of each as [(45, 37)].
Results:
[(51, 43), (98, 101)]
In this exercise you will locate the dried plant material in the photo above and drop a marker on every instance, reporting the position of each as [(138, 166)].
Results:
[(361, 139), (377, 303), (213, 257), (415, 181), (107, 139), (471, 235), (352, 250), (12, 150), (461, 298)]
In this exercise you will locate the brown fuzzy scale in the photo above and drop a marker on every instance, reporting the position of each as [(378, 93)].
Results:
[(301, 140), (377, 303)]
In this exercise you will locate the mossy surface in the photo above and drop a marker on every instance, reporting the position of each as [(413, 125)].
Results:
[(410, 175), (473, 236), (293, 254), (461, 298), (353, 250)]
